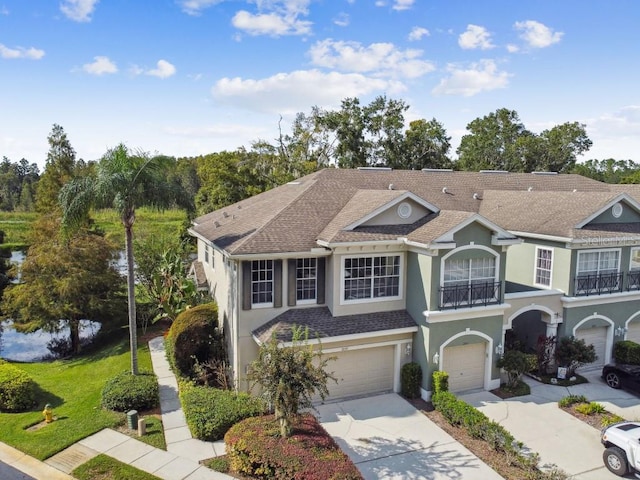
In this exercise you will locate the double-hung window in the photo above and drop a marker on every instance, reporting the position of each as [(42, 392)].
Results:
[(373, 277), (544, 258), (633, 281), (469, 281), (598, 272), (306, 280), (262, 283)]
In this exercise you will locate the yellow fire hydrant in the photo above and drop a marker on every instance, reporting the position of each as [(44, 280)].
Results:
[(48, 413)]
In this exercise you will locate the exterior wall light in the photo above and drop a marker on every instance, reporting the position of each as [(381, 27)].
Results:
[(499, 349), (620, 331), (436, 358)]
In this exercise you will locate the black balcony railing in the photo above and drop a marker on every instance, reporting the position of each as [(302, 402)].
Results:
[(597, 284), (633, 280), (470, 295)]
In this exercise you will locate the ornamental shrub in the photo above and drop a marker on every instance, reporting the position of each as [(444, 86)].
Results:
[(256, 449), (410, 380), (440, 381), (627, 351), (17, 389), (515, 364), (126, 392), (210, 412), (572, 353), (194, 339), (571, 400)]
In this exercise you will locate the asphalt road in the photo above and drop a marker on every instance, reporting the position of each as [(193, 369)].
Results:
[(7, 472)]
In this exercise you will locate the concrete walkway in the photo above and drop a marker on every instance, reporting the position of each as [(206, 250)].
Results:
[(387, 438), (559, 438), (179, 462)]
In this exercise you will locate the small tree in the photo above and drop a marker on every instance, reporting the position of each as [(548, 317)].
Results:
[(573, 353), (545, 349), (514, 362), (290, 376)]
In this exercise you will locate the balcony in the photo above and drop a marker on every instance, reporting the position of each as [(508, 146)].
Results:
[(633, 280), (597, 284), (470, 295)]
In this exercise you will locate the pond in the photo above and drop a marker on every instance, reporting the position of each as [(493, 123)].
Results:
[(32, 347)]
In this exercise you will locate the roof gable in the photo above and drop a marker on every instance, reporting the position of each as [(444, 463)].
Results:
[(403, 209), (621, 209)]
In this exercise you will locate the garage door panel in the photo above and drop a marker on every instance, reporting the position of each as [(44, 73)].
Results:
[(465, 365), (361, 372), (633, 332), (596, 336)]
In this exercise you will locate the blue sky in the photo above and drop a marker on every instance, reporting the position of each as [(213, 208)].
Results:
[(190, 77)]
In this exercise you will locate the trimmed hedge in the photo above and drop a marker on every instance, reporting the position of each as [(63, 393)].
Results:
[(17, 389), (410, 380), (210, 412), (126, 392), (255, 448), (627, 351), (194, 337), (440, 381)]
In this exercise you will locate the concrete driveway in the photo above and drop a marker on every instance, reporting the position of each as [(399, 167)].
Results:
[(559, 438), (387, 438)]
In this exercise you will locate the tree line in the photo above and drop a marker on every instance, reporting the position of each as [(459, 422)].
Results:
[(355, 135)]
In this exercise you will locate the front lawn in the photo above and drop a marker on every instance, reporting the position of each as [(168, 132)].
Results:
[(73, 389), (103, 467)]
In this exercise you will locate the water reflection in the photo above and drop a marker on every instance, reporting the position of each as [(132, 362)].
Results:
[(31, 347)]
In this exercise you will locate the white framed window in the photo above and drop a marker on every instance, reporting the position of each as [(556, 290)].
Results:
[(544, 264), (375, 277), (469, 271), (262, 283), (206, 254), (306, 280), (598, 262), (634, 262)]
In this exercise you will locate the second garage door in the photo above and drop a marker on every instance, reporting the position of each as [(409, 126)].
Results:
[(361, 372), (596, 336), (465, 365), (633, 332)]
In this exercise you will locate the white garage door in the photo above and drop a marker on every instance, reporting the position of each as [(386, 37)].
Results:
[(596, 336), (465, 366), (633, 332), (361, 372)]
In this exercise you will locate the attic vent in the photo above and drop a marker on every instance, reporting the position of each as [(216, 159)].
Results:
[(239, 207), (444, 190), (391, 186), (616, 210), (379, 169), (476, 196), (575, 190), (545, 173), (293, 183), (529, 189), (216, 224), (494, 171), (437, 169)]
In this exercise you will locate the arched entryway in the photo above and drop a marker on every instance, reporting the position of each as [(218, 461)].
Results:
[(527, 325)]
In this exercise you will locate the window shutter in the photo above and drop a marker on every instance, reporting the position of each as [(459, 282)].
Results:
[(246, 285), (277, 283), (291, 282), (320, 279)]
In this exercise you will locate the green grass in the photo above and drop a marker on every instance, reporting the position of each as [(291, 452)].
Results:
[(16, 225), (73, 388), (104, 467), (154, 435)]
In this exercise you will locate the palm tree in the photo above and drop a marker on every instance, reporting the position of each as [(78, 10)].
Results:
[(123, 181)]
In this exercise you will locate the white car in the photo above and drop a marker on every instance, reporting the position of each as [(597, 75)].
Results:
[(622, 448)]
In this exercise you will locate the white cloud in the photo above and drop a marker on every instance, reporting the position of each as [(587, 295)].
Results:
[(615, 134), (100, 66), (475, 37), (536, 34), (4, 10), (195, 7), (20, 52), (270, 24), (342, 19), (289, 93), (417, 33), (403, 4), (511, 48), (380, 59), (479, 77), (163, 70), (78, 10)]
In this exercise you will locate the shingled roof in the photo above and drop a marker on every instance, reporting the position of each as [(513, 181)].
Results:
[(322, 324), (293, 217)]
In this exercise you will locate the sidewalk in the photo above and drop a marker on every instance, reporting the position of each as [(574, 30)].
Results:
[(179, 462)]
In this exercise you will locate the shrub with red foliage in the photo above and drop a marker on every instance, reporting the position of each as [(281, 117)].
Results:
[(255, 447)]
